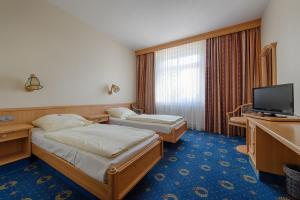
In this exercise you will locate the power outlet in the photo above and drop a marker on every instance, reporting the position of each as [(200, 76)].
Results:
[(6, 118)]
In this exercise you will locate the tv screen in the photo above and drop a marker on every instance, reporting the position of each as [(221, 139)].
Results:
[(277, 99)]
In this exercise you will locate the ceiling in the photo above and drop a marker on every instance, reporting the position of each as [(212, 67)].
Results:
[(144, 23)]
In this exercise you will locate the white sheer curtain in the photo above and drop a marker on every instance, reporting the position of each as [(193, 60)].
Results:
[(180, 82)]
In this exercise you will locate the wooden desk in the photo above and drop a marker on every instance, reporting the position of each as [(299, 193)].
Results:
[(271, 145)]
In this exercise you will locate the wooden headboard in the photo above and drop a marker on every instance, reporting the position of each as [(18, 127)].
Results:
[(27, 115)]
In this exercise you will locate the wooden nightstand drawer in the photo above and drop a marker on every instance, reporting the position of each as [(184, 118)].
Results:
[(15, 142), (13, 135)]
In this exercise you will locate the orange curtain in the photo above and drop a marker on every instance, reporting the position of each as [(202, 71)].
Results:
[(145, 82), (232, 70), (252, 61)]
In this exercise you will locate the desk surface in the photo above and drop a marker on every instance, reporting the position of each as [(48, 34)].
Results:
[(287, 133)]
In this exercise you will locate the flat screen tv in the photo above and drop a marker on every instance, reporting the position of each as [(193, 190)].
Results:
[(278, 99)]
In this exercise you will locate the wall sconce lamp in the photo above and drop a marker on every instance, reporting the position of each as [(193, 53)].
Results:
[(33, 83), (113, 89)]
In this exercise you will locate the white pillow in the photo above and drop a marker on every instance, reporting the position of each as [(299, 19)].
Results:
[(121, 112), (57, 122)]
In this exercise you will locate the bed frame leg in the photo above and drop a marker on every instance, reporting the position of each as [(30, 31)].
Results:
[(162, 145), (112, 182)]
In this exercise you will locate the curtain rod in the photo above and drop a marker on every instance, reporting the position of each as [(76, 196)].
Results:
[(203, 36)]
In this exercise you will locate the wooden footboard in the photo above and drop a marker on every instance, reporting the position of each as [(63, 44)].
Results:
[(175, 134), (124, 177), (121, 178)]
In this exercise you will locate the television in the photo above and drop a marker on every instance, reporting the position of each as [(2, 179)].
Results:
[(278, 99)]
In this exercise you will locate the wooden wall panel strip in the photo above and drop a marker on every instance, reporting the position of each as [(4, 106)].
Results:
[(27, 115), (224, 31)]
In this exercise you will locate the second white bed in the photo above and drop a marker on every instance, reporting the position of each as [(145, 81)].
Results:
[(157, 127), (91, 164)]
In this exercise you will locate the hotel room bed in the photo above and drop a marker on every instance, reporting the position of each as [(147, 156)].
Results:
[(157, 127), (169, 132), (109, 173), (91, 164), (169, 127)]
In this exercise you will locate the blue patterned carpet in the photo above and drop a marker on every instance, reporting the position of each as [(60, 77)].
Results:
[(199, 166)]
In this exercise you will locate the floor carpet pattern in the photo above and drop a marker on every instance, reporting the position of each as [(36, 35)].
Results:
[(199, 166)]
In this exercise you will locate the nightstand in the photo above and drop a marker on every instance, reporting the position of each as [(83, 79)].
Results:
[(15, 142), (102, 118)]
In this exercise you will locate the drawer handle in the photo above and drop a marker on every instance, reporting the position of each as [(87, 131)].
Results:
[(4, 136)]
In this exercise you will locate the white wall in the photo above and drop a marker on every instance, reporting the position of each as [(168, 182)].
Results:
[(281, 23), (73, 61)]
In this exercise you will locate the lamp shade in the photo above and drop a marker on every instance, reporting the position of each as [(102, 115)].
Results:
[(33, 83), (114, 88)]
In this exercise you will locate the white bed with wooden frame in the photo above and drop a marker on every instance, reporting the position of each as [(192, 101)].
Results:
[(121, 178), (170, 133)]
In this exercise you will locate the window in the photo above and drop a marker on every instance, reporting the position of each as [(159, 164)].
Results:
[(180, 82)]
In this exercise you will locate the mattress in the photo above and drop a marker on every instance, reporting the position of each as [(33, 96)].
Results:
[(93, 165), (161, 128)]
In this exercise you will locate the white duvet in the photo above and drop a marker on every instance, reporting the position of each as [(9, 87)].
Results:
[(161, 119), (101, 139)]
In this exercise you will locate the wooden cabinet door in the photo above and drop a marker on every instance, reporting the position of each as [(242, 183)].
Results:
[(251, 141)]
